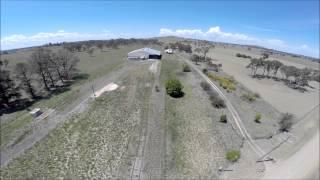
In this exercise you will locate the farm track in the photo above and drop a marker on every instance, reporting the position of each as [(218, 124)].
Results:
[(149, 162), (47, 125)]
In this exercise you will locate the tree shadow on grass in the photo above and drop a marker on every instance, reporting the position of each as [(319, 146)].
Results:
[(16, 105), (177, 95)]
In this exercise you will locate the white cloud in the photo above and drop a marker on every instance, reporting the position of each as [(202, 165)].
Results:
[(217, 34), (19, 40)]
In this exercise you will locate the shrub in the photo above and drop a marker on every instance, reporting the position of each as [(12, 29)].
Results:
[(174, 88), (216, 100), (157, 88), (205, 71), (257, 95), (223, 118), (226, 82), (249, 97), (243, 55), (257, 118), (233, 155), (186, 68), (286, 122), (205, 86)]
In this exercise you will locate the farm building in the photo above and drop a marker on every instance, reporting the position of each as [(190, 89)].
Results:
[(144, 53)]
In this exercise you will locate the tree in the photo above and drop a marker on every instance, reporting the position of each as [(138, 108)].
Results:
[(65, 63), (100, 46), (195, 58), (174, 88), (205, 50), (197, 50), (90, 51), (275, 66), (8, 89), (24, 74), (286, 122), (264, 55), (186, 68), (40, 63)]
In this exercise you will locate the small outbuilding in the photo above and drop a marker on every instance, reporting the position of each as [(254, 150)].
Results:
[(169, 51), (144, 54), (36, 112)]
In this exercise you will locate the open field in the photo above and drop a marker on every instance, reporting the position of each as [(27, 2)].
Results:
[(139, 132), (95, 67), (196, 140), (99, 142), (274, 92)]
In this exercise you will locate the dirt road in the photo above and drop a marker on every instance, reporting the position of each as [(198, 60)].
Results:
[(301, 165)]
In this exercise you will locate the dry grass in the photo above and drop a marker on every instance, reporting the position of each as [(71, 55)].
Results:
[(92, 144), (227, 82)]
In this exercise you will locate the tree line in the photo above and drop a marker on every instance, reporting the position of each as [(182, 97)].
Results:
[(299, 76), (87, 46), (44, 69), (180, 46)]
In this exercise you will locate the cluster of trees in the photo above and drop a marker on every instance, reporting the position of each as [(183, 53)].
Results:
[(300, 76), (180, 46), (243, 55), (45, 68), (8, 88), (198, 58), (268, 66)]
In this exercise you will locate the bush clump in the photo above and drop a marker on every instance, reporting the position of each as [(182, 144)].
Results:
[(243, 55), (223, 118), (250, 97), (286, 122), (233, 155), (225, 82), (216, 100), (257, 118), (174, 88), (205, 86), (205, 71), (186, 68)]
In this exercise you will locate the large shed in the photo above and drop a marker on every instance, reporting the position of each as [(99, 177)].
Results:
[(144, 54)]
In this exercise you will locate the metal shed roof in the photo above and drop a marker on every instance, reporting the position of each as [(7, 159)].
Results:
[(146, 50)]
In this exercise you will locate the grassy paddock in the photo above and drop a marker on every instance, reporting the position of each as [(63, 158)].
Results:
[(92, 144), (101, 63)]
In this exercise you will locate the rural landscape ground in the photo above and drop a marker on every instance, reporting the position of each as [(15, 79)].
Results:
[(139, 131)]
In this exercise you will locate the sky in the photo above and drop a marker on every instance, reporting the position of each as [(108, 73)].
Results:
[(291, 26)]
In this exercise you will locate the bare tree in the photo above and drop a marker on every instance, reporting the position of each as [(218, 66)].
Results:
[(68, 64), (40, 63), (24, 74)]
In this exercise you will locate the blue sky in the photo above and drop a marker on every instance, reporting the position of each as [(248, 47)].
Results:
[(291, 26)]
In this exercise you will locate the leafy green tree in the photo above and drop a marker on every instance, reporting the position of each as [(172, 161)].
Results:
[(174, 88)]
